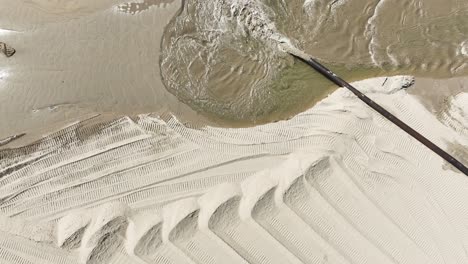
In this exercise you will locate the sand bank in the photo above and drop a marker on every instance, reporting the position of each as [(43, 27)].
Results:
[(337, 178)]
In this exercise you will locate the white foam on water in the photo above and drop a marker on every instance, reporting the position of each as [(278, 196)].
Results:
[(464, 48), (371, 33)]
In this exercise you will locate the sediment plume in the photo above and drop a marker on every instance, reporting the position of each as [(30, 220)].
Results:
[(197, 45), (336, 183)]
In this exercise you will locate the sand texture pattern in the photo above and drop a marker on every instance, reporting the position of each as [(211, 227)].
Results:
[(334, 184)]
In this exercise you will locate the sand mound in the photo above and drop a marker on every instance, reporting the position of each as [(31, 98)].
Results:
[(95, 233), (71, 228), (336, 183)]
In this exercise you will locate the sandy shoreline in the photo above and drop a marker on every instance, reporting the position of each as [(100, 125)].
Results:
[(434, 94)]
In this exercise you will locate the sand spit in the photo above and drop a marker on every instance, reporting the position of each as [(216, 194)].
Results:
[(336, 184)]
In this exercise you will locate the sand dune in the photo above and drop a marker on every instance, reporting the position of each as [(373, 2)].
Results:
[(336, 184)]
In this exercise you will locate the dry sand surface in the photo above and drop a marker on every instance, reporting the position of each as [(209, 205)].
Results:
[(334, 184)]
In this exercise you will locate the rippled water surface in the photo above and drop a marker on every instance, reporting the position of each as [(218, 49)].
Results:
[(218, 56)]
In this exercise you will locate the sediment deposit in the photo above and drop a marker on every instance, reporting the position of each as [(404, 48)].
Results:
[(336, 183)]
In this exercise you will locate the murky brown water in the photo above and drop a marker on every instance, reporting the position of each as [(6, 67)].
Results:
[(219, 65), (76, 58)]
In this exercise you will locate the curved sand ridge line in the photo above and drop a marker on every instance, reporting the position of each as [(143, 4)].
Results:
[(336, 183), (240, 222)]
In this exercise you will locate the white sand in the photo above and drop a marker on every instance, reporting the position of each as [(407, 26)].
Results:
[(336, 183)]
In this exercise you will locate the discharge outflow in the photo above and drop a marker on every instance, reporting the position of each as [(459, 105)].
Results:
[(287, 47)]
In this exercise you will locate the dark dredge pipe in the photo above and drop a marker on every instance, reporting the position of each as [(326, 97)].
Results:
[(426, 142)]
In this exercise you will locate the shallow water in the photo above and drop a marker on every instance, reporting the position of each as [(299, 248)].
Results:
[(215, 60), (76, 58)]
